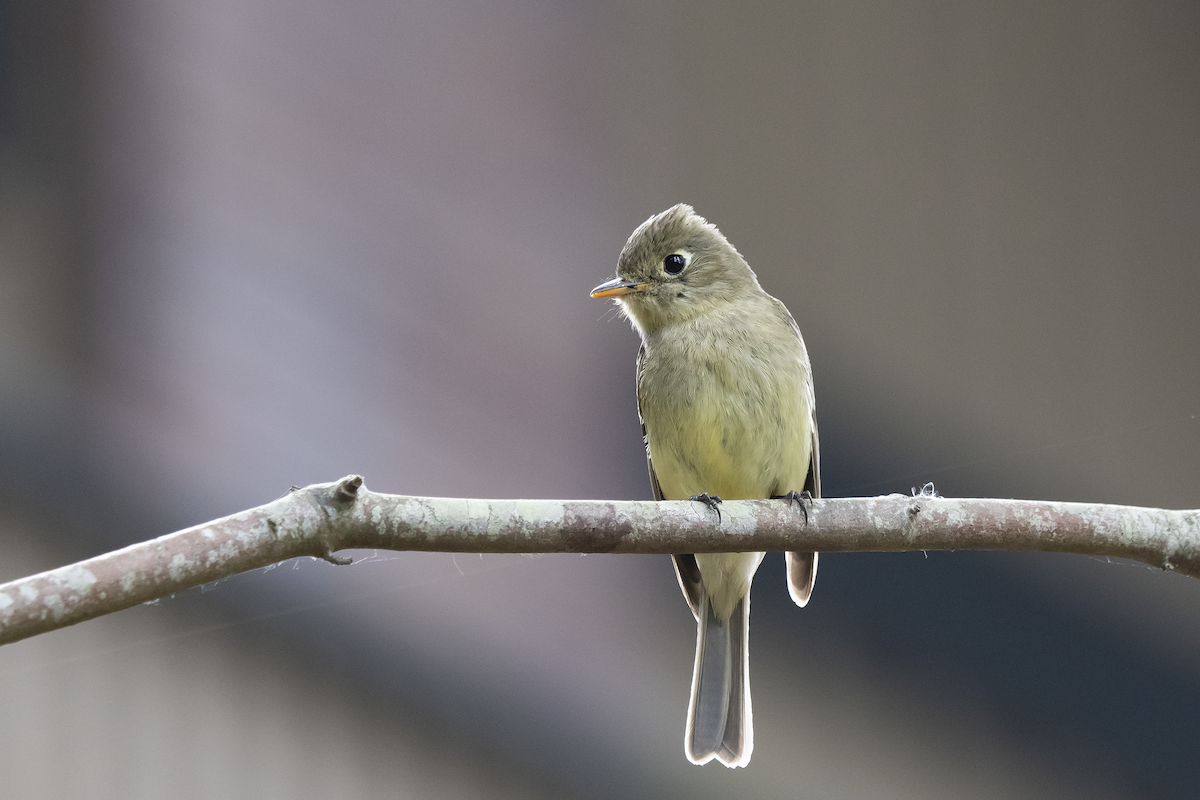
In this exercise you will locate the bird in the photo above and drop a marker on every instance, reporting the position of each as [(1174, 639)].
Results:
[(726, 402)]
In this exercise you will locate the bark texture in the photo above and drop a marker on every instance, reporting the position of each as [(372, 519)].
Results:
[(324, 518)]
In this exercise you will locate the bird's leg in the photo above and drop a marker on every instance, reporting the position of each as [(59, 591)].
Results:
[(710, 500), (804, 499)]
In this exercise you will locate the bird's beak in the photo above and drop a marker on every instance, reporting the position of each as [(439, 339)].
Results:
[(617, 288)]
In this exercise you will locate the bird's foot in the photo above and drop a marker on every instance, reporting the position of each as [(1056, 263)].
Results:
[(710, 500), (804, 499)]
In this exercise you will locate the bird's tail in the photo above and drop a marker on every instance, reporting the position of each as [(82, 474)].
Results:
[(801, 575), (719, 718)]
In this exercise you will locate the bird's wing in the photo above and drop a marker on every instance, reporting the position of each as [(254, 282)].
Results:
[(802, 567), (812, 483), (688, 572), (654, 484), (686, 568)]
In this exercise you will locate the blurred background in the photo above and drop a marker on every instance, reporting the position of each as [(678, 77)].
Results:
[(245, 245)]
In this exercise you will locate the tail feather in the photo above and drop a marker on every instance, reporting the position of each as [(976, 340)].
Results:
[(720, 723), (801, 575)]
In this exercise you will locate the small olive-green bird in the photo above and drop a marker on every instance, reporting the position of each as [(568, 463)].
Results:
[(725, 396)]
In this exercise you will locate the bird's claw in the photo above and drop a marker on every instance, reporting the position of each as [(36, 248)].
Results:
[(710, 500), (803, 499)]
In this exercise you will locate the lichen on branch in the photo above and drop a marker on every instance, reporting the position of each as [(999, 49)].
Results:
[(321, 519)]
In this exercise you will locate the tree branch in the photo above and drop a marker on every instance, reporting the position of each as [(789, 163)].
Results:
[(321, 519)]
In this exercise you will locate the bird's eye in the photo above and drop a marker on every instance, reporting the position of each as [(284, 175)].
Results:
[(674, 264)]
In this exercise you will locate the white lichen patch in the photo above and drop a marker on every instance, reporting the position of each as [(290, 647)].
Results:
[(484, 519), (6, 604), (956, 515), (292, 521), (737, 519), (412, 513), (75, 578), (442, 512), (543, 512), (178, 566), (242, 516), (503, 516), (28, 593), (639, 516), (225, 552), (1142, 526), (54, 604)]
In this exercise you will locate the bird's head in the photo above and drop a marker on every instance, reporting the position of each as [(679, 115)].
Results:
[(675, 266)]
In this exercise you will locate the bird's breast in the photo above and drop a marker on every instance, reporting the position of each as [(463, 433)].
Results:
[(727, 410)]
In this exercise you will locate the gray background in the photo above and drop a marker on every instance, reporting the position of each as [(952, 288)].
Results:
[(245, 245)]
